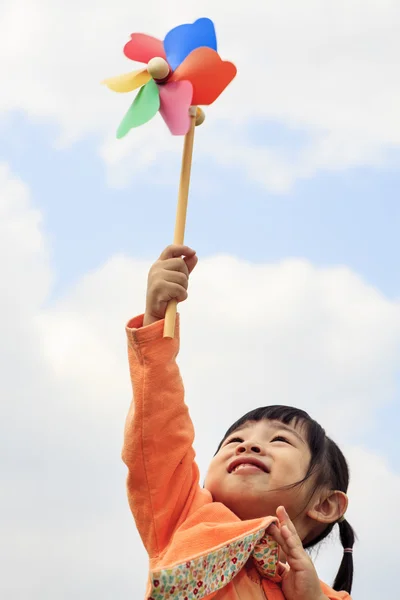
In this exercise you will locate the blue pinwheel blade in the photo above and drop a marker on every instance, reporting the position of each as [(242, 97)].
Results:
[(182, 40)]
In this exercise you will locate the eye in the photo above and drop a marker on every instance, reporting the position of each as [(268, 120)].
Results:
[(236, 439), (280, 438)]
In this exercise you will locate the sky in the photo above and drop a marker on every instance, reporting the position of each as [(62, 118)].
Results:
[(294, 213)]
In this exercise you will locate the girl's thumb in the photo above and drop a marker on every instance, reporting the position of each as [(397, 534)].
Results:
[(191, 262), (283, 569)]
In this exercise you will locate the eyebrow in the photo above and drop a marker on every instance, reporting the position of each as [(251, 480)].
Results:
[(279, 426)]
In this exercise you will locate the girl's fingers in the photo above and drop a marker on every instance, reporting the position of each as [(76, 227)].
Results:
[(283, 516), (286, 536), (174, 264), (191, 262), (293, 544), (282, 537), (176, 292), (176, 251), (177, 277), (286, 522), (283, 569), (275, 533)]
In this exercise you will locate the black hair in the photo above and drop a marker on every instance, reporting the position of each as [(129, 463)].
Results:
[(329, 467)]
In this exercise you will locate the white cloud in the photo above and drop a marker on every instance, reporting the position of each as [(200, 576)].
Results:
[(327, 68), (321, 339), (28, 273)]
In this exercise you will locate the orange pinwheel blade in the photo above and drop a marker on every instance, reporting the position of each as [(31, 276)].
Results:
[(208, 74), (128, 82)]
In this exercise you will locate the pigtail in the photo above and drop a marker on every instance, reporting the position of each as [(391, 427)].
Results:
[(344, 577)]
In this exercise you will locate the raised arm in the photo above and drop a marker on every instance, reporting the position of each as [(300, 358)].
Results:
[(162, 475)]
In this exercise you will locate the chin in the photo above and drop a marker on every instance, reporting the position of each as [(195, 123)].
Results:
[(240, 507), (238, 499), (245, 515), (245, 506)]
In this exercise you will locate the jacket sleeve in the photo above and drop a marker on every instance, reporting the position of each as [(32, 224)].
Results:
[(333, 594), (163, 478)]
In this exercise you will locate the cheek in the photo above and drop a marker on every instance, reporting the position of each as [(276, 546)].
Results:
[(213, 474), (305, 462), (210, 482), (292, 466), (213, 466)]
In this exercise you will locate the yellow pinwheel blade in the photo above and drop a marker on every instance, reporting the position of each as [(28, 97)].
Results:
[(128, 82)]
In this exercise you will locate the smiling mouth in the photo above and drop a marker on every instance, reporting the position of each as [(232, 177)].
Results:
[(249, 467)]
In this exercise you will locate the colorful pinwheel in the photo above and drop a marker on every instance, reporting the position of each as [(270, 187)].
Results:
[(183, 71)]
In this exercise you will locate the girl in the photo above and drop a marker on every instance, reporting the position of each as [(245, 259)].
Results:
[(276, 485)]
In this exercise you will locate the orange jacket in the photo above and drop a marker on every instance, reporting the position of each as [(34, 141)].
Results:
[(197, 548)]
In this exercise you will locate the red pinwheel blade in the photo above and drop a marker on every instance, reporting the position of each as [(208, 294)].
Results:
[(208, 74), (143, 48)]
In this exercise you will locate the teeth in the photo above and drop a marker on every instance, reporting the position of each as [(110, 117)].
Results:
[(244, 465)]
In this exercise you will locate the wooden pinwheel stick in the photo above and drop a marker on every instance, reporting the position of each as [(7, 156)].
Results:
[(196, 118)]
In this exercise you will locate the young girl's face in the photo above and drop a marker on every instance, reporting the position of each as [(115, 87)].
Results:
[(279, 457)]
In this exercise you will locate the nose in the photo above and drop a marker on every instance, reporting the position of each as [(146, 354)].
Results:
[(248, 447)]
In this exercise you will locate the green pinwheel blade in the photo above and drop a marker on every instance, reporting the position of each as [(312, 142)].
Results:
[(143, 108)]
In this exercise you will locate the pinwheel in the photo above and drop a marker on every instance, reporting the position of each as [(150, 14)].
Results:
[(181, 73)]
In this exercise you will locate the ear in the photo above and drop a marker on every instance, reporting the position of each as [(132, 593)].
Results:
[(328, 509)]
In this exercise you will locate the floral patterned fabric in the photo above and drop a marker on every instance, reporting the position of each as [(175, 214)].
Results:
[(197, 578)]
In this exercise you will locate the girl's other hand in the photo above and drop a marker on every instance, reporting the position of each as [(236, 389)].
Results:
[(299, 577)]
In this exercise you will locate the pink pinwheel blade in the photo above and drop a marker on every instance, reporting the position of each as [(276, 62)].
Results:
[(175, 101), (143, 48)]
